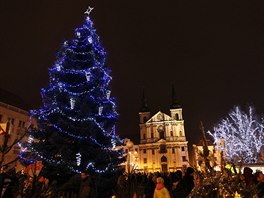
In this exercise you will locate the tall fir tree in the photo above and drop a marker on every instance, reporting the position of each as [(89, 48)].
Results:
[(76, 125)]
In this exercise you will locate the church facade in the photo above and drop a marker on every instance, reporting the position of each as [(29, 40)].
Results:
[(163, 146)]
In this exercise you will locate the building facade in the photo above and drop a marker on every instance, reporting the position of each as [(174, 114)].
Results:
[(14, 120), (163, 146)]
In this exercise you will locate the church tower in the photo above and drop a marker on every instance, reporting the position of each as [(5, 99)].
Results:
[(175, 108), (176, 114), (144, 113)]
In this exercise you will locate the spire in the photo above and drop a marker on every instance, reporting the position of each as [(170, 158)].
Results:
[(174, 104), (144, 105)]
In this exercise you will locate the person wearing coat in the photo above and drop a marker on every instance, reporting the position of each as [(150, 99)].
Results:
[(161, 191)]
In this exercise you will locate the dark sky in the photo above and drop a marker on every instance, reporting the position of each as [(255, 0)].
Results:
[(212, 51)]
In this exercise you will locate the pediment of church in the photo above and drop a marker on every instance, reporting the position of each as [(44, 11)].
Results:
[(159, 117)]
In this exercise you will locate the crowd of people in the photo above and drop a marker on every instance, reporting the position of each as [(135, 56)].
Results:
[(179, 184), (183, 184), (156, 185)]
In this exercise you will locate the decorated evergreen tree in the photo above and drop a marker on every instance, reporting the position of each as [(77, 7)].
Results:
[(76, 125)]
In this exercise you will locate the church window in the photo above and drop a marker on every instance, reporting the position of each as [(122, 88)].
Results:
[(162, 136), (152, 135), (163, 159), (145, 160), (153, 151), (171, 133), (145, 119), (173, 150), (176, 116), (163, 148), (144, 150), (182, 148), (161, 132), (144, 136), (160, 128)]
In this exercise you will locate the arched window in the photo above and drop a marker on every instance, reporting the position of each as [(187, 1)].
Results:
[(163, 159), (176, 116)]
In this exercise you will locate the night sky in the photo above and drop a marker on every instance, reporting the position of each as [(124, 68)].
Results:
[(211, 51)]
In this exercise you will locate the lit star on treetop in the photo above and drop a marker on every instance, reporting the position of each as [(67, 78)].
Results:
[(89, 10)]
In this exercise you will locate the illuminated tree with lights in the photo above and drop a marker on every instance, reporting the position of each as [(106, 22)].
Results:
[(76, 125), (240, 135)]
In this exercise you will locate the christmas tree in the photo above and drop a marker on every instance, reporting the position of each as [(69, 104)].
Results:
[(76, 125)]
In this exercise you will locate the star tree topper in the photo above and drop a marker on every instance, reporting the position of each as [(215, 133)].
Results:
[(89, 10)]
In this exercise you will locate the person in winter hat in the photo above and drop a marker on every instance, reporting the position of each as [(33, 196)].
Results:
[(161, 191)]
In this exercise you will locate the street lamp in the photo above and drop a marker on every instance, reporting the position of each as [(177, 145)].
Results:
[(129, 145)]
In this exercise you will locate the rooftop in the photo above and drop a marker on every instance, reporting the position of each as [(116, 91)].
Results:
[(13, 99)]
